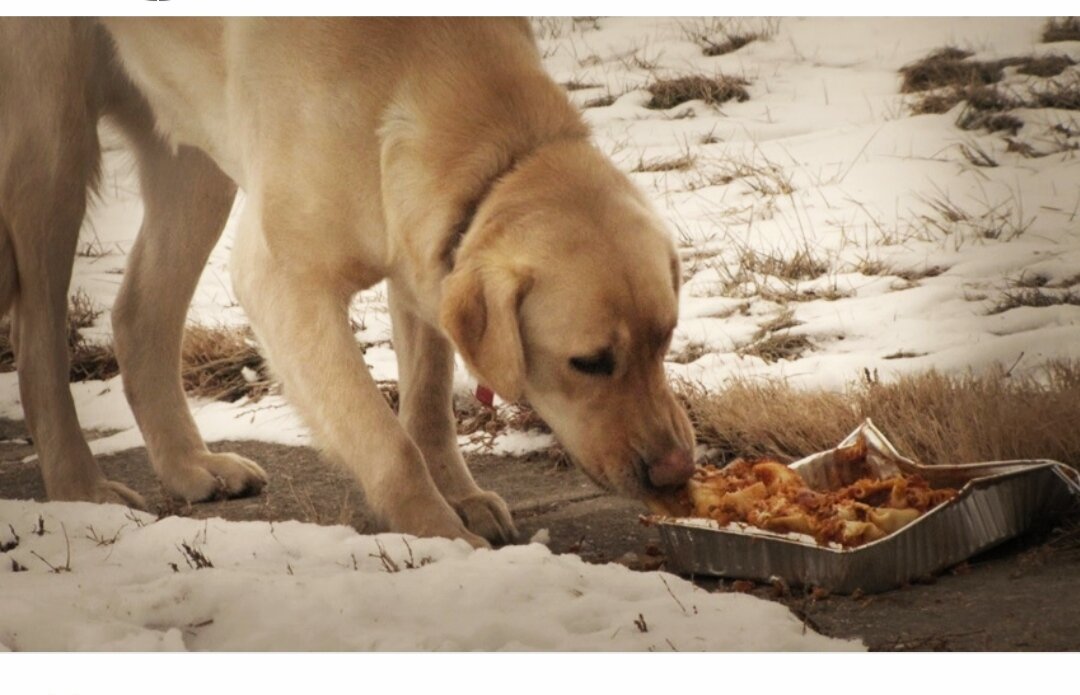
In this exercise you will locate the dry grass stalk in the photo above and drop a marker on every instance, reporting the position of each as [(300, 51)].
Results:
[(575, 85), (977, 155), (932, 417)]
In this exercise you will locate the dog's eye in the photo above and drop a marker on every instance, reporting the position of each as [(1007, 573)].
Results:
[(602, 363)]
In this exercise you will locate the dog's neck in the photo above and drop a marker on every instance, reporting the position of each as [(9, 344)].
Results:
[(461, 228), (443, 159), (448, 256)]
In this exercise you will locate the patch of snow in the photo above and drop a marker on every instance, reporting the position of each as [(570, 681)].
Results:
[(102, 577)]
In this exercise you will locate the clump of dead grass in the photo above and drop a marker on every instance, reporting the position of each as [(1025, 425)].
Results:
[(801, 265), (950, 67), (600, 101), (1061, 29), (1033, 296), (947, 77), (721, 35), (1046, 66), (682, 162), (765, 179), (668, 93), (932, 417), (223, 363), (774, 341), (774, 347), (691, 352), (776, 277)]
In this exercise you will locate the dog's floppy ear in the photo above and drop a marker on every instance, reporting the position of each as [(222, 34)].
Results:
[(479, 312)]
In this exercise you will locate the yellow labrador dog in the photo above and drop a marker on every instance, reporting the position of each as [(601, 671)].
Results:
[(435, 154)]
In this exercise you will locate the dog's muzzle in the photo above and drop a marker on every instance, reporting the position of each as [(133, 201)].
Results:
[(671, 470)]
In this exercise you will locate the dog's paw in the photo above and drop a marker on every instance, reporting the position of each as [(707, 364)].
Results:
[(433, 520), (206, 476), (486, 514)]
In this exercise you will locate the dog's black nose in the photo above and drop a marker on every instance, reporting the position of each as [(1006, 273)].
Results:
[(672, 469)]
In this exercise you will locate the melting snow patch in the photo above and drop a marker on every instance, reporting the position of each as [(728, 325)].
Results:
[(102, 577)]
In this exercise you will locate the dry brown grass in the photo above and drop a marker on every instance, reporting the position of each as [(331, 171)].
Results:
[(947, 77), (775, 277), (916, 274), (668, 93), (766, 179), (1059, 94), (691, 352), (728, 44), (721, 35), (949, 67), (773, 347), (801, 265), (576, 85), (683, 162), (214, 361), (1034, 297), (1046, 66), (932, 417), (903, 355), (977, 155), (1061, 29), (600, 101)]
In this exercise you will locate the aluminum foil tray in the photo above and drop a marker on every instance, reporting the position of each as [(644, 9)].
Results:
[(997, 500)]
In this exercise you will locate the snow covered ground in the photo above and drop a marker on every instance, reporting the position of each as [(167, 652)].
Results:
[(107, 578), (909, 243)]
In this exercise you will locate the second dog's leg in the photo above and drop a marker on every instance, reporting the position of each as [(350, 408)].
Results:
[(187, 200), (426, 366), (43, 226), (301, 320)]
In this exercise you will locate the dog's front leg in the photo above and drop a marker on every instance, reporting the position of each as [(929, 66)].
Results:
[(301, 320), (187, 201), (426, 369)]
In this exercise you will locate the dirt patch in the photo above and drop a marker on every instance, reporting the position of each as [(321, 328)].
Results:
[(1008, 599)]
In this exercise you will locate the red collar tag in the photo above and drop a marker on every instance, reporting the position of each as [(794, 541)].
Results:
[(485, 395)]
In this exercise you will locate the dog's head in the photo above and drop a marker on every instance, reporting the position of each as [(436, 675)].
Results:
[(565, 292)]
